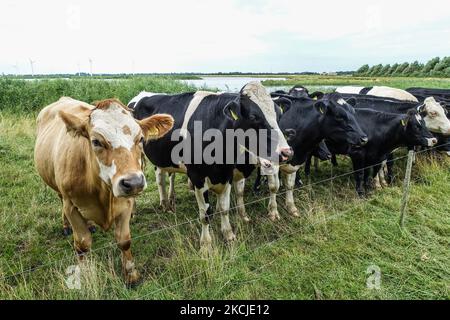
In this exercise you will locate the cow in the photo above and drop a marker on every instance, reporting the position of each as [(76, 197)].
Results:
[(379, 91), (91, 156), (433, 114), (427, 92), (311, 121), (300, 91), (251, 108), (386, 132)]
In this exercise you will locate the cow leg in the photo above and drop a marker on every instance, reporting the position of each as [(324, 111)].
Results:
[(358, 166), (316, 164), (123, 238), (389, 168), (172, 200), (203, 206), (289, 183), (223, 206), (382, 173), (239, 187), (367, 179), (377, 177), (161, 182), (307, 169), (274, 186), (67, 229), (257, 184), (81, 235), (334, 160)]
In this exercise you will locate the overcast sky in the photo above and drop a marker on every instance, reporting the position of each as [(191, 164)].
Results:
[(211, 36)]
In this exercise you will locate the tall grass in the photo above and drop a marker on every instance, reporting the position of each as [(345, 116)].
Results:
[(30, 96)]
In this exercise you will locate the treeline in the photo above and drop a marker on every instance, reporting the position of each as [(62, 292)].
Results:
[(436, 67)]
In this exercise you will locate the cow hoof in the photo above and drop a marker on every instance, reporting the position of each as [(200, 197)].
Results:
[(274, 216), (246, 219), (206, 250), (92, 229), (229, 236), (294, 212), (67, 231), (132, 279)]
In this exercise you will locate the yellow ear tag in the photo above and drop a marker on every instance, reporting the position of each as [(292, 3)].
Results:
[(403, 122), (153, 132), (234, 115), (281, 109), (321, 110)]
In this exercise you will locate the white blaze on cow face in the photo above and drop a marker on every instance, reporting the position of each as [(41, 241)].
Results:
[(116, 139), (257, 93), (436, 119)]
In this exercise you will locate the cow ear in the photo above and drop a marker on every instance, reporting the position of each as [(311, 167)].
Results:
[(317, 95), (231, 110), (321, 107), (156, 126), (351, 101), (284, 103), (74, 124)]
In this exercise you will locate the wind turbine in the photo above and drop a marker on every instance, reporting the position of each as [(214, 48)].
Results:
[(32, 62), (90, 65), (16, 67)]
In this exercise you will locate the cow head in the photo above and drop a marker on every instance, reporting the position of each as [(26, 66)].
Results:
[(339, 122), (116, 140), (254, 109), (435, 116), (299, 91), (415, 129)]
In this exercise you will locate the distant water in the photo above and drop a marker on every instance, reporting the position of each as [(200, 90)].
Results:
[(234, 84), (229, 84)]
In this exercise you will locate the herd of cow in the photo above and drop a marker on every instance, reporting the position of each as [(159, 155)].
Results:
[(92, 155)]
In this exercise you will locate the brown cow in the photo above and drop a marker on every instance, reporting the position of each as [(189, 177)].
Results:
[(91, 156)]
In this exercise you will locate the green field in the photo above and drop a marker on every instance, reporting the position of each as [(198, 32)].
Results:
[(324, 254)]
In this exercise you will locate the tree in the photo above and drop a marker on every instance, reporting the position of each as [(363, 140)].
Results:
[(412, 69), (440, 67), (392, 69), (385, 71), (400, 69), (429, 66), (363, 70), (376, 70)]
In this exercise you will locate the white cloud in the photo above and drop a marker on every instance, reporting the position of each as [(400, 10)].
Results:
[(176, 35)]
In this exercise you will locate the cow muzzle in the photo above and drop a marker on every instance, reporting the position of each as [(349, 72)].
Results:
[(285, 154), (431, 142), (131, 185)]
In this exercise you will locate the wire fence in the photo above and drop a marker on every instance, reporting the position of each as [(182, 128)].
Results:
[(190, 221)]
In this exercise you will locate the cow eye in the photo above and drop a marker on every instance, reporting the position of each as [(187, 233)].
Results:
[(96, 143), (141, 141), (252, 117)]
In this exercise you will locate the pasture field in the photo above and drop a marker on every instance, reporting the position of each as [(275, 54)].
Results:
[(397, 82), (324, 254)]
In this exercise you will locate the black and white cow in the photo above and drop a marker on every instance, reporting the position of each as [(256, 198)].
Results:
[(386, 132), (311, 121), (379, 91), (430, 92), (251, 108), (435, 117)]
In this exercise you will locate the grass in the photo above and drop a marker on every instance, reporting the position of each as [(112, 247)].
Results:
[(324, 254)]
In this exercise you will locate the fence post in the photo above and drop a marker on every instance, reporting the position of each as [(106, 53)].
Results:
[(406, 187)]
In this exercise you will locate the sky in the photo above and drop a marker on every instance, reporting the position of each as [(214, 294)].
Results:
[(60, 36)]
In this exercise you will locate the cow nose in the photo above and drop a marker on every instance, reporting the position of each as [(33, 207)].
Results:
[(364, 140), (132, 184), (287, 152)]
